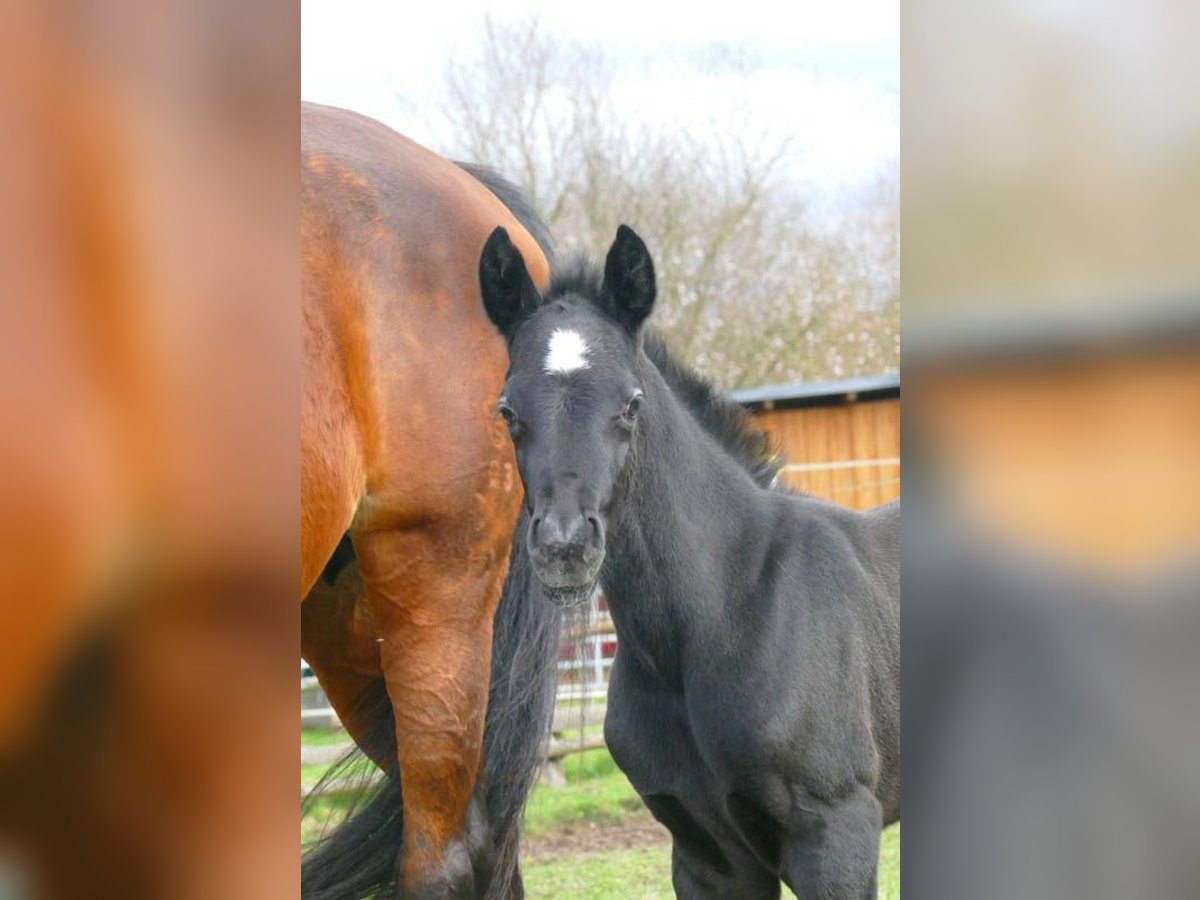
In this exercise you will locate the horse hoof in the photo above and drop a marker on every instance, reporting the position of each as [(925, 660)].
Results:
[(454, 879)]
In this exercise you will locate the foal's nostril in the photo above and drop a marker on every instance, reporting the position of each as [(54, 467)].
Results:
[(562, 536), (566, 549)]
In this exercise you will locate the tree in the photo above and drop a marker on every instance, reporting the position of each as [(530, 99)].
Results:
[(752, 290)]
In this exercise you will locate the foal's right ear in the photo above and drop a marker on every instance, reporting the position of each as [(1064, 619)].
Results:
[(509, 295)]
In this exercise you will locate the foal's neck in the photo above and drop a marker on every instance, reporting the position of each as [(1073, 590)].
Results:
[(673, 565)]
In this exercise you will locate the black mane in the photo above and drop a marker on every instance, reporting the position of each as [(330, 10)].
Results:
[(518, 204), (721, 417)]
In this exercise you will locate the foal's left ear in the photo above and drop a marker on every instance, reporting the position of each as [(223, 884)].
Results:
[(509, 295), (628, 289)]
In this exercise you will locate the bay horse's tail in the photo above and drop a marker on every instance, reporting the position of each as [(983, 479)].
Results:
[(358, 858), (516, 735)]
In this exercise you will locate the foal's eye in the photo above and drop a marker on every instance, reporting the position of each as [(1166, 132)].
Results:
[(632, 407), (506, 412)]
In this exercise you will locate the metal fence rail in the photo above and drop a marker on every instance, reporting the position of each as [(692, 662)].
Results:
[(583, 674), (584, 668)]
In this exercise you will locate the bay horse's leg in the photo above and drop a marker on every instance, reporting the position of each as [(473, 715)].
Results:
[(337, 638), (433, 600), (833, 850)]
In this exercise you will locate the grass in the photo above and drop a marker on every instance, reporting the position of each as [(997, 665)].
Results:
[(311, 774), (645, 874), (889, 864), (322, 737), (324, 810), (595, 792), (327, 810), (624, 874)]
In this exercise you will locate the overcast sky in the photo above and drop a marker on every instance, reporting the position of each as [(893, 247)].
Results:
[(826, 74)]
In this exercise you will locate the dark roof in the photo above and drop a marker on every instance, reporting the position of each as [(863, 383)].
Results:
[(819, 393)]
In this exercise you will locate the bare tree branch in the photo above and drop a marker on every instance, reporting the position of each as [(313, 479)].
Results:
[(753, 290)]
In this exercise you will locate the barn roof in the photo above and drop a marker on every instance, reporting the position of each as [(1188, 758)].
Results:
[(819, 393)]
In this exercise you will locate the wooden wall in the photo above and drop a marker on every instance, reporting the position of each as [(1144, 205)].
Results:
[(848, 453)]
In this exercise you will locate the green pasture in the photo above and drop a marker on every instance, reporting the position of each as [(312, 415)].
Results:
[(595, 794), (645, 874)]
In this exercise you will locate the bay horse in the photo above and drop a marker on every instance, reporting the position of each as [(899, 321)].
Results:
[(408, 502), (754, 700)]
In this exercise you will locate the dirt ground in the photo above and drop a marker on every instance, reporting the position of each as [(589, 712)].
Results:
[(636, 830)]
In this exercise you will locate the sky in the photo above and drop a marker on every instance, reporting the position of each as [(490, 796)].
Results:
[(824, 75)]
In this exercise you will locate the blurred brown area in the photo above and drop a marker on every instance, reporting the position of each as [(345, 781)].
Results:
[(1087, 453), (1051, 286), (148, 461)]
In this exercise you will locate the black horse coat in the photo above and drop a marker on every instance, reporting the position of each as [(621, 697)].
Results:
[(754, 701), (758, 678)]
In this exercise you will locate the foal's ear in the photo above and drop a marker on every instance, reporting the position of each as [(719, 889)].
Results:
[(509, 295), (628, 289)]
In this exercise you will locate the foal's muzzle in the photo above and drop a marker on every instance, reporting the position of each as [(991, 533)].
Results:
[(567, 551)]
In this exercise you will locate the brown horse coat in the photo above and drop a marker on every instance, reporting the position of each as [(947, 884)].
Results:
[(400, 446)]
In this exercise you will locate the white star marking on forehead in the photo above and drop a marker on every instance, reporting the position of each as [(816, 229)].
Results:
[(566, 352)]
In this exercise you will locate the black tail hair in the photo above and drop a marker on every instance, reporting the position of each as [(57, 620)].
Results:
[(524, 683), (358, 858), (518, 204)]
